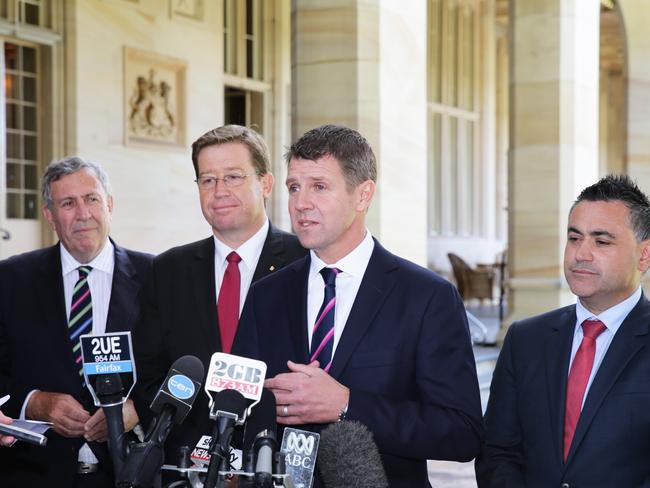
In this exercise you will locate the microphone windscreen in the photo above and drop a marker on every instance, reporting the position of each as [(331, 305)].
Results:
[(348, 456), (109, 385), (181, 387), (262, 417), (230, 401), (190, 366)]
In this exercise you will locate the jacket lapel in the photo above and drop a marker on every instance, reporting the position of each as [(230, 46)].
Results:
[(204, 292), (377, 283), (124, 293), (271, 257), (296, 296), (623, 348), (557, 355), (51, 295)]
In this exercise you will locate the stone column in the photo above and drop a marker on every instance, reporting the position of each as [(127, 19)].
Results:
[(553, 141), (636, 17), (362, 63)]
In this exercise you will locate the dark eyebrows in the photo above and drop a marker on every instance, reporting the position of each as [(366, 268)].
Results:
[(593, 233)]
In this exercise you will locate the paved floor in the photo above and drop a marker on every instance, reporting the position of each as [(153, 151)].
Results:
[(447, 474)]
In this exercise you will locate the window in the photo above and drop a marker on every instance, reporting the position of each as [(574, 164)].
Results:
[(453, 116), (22, 141), (244, 66), (27, 12)]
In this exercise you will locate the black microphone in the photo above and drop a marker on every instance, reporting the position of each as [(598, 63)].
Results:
[(348, 456), (171, 404), (229, 407), (262, 417), (109, 392)]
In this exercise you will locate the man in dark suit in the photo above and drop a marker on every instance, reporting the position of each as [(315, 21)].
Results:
[(569, 398), (39, 364), (184, 301), (353, 331)]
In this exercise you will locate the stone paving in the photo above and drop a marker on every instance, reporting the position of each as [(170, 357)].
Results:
[(448, 474)]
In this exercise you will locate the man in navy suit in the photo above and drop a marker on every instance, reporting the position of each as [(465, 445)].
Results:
[(569, 401), (354, 332), (38, 359), (183, 299)]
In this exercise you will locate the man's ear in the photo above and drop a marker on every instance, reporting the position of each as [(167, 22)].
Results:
[(644, 257), (365, 191)]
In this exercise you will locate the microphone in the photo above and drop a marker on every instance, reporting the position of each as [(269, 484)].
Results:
[(229, 407), (299, 448), (171, 404), (265, 447), (109, 393), (349, 457)]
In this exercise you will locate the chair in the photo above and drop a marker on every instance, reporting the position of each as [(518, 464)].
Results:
[(472, 283)]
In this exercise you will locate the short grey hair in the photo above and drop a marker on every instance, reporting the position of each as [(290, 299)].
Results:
[(67, 166)]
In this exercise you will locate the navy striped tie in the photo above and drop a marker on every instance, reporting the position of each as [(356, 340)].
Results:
[(322, 340), (81, 314)]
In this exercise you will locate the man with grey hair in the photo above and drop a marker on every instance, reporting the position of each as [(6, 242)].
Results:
[(49, 297)]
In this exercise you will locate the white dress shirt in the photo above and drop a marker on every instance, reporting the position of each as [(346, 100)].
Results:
[(612, 318), (249, 252), (352, 267)]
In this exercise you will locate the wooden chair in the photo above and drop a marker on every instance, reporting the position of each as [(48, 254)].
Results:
[(472, 283)]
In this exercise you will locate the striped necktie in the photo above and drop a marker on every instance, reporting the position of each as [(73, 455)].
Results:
[(81, 314), (322, 339)]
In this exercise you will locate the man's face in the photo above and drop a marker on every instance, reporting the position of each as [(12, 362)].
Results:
[(235, 213), (80, 214), (603, 262), (326, 216)]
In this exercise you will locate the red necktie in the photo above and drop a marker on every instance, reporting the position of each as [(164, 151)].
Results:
[(228, 302), (578, 379)]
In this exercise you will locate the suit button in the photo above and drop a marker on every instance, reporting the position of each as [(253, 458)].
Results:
[(566, 485)]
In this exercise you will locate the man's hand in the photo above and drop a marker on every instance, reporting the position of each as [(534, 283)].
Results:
[(5, 440), (96, 428), (307, 394), (66, 414)]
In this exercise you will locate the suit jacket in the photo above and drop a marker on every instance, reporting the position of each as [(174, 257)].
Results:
[(525, 415), (35, 351), (405, 354), (179, 317)]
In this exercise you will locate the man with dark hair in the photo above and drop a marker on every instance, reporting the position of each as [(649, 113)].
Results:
[(192, 301), (569, 397), (353, 331), (48, 298)]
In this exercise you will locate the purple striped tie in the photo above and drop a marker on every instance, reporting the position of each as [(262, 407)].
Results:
[(322, 340), (81, 315)]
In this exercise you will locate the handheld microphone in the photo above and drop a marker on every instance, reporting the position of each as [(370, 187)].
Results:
[(349, 457), (229, 407), (171, 404), (109, 393), (265, 447), (24, 435)]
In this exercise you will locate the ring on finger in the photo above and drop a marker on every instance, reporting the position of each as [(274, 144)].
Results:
[(285, 411)]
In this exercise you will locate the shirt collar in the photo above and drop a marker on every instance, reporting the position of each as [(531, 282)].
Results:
[(354, 263), (104, 261), (614, 316), (248, 251)]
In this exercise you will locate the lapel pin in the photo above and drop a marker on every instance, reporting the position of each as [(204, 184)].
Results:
[(272, 268)]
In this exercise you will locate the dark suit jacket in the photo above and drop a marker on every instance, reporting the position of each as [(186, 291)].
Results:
[(179, 317), (525, 415), (35, 351), (405, 354)]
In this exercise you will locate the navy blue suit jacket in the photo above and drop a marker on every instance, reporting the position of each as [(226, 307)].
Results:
[(179, 317), (405, 354), (35, 352), (525, 415)]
